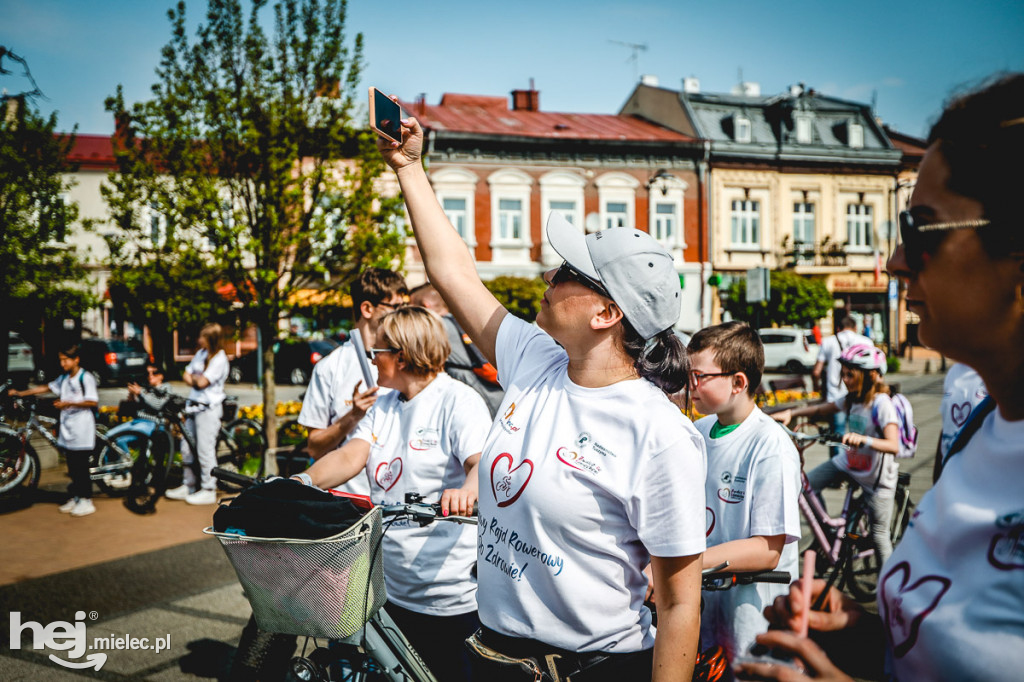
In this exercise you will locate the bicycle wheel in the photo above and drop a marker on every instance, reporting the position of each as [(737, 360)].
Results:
[(149, 473), (115, 460), (240, 447), (862, 564), (261, 655), (19, 470)]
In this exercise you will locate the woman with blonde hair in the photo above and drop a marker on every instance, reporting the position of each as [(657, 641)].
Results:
[(424, 437), (206, 375)]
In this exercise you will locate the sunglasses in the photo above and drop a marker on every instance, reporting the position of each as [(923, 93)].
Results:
[(921, 238), (374, 352), (392, 306), (567, 273)]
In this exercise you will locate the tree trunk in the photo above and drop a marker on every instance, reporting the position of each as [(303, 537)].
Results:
[(269, 399)]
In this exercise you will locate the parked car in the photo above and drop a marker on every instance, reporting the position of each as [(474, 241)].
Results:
[(790, 349), (293, 361), (114, 360), (21, 365)]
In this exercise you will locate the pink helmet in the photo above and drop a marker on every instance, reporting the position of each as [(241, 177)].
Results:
[(863, 356)]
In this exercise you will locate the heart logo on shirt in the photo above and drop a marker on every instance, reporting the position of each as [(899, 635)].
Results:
[(960, 413), (388, 473), (508, 482), (907, 607)]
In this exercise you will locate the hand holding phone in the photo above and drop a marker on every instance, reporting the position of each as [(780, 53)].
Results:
[(385, 116)]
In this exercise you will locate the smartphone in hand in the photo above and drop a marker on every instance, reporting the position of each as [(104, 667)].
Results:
[(385, 116)]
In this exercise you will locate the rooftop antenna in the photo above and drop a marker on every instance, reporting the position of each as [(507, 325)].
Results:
[(637, 48)]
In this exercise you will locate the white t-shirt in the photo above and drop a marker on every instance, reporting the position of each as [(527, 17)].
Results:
[(216, 373), (421, 446), (77, 424), (829, 353), (752, 488), (961, 391), (329, 398), (578, 487), (951, 596), (864, 464)]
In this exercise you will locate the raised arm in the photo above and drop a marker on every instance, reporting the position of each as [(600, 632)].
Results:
[(448, 262)]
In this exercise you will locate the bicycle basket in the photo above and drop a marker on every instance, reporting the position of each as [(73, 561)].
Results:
[(318, 588)]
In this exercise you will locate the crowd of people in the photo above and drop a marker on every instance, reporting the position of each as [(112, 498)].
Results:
[(596, 494)]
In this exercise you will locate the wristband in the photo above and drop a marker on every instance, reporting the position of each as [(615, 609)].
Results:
[(869, 442), (304, 478)]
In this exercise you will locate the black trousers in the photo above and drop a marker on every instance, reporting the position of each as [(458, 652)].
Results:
[(78, 470), (439, 640)]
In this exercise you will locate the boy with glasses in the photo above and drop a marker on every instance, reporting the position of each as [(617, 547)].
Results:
[(336, 398), (752, 486)]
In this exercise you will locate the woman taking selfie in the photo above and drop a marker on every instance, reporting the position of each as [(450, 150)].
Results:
[(589, 473), (951, 596), (423, 437)]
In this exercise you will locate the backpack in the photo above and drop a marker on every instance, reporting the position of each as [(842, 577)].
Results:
[(905, 421), (81, 384)]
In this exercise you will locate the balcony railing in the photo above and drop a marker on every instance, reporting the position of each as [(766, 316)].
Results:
[(820, 255)]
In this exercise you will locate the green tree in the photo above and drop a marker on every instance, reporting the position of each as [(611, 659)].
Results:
[(795, 300), (250, 152), (40, 277), (520, 295)]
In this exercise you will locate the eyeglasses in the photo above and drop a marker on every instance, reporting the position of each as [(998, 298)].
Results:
[(697, 377), (919, 239), (392, 306), (374, 352), (566, 273)]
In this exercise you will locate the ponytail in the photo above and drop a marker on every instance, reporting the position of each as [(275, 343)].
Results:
[(662, 360)]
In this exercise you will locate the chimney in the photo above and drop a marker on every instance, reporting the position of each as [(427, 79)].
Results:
[(421, 104), (526, 100), (691, 85), (649, 80)]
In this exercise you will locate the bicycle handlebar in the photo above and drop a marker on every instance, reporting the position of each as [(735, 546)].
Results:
[(715, 582), (805, 440), (422, 512)]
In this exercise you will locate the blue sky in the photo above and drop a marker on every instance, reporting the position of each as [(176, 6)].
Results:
[(908, 55)]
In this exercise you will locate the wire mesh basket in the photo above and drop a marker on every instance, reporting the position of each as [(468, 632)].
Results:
[(324, 588)]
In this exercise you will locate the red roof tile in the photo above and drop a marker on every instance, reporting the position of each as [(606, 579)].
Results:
[(484, 115), (93, 151)]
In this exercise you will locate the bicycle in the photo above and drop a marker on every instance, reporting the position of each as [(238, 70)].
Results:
[(364, 643), (19, 463), (845, 552), (148, 447), (711, 662)]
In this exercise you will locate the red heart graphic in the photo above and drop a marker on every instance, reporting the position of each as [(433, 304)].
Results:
[(392, 472), (509, 485), (920, 599), (960, 413), (709, 518)]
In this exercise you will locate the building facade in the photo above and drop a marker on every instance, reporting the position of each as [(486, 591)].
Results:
[(499, 170), (797, 181)]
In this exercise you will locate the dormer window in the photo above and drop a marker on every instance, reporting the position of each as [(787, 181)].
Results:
[(741, 128), (803, 129), (855, 135)]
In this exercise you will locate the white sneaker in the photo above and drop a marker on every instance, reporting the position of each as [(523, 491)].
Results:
[(202, 497), (83, 508), (68, 506), (179, 493)]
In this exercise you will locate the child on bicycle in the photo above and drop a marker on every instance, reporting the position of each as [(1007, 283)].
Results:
[(873, 434), (752, 485), (76, 399)]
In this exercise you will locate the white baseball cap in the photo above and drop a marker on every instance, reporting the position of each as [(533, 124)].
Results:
[(637, 271)]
